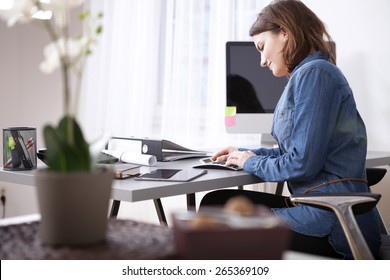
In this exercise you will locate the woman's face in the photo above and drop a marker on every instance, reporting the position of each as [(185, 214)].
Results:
[(270, 46)]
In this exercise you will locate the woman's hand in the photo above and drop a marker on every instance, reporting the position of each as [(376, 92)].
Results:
[(238, 158), (223, 154), (232, 156)]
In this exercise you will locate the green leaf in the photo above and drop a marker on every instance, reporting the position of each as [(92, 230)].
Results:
[(67, 150), (55, 153), (84, 15), (99, 29)]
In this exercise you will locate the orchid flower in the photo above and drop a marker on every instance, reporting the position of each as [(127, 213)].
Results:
[(64, 51), (72, 49), (21, 11)]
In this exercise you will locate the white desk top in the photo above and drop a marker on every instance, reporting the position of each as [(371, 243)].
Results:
[(377, 158), (132, 191)]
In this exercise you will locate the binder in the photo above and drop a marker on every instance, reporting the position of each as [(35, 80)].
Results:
[(163, 150)]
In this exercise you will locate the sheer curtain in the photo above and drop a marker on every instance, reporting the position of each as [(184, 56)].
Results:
[(158, 70)]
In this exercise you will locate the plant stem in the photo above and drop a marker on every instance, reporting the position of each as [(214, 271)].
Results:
[(65, 72), (65, 65)]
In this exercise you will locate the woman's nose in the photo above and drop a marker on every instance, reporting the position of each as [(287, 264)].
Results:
[(263, 61)]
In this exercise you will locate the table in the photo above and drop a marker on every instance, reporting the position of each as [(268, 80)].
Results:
[(125, 240), (377, 158), (130, 190), (144, 190)]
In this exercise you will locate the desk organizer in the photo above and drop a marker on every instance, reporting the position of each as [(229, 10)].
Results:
[(262, 236), (19, 148)]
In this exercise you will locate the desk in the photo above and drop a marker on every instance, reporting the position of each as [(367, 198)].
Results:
[(145, 190), (132, 191), (377, 158)]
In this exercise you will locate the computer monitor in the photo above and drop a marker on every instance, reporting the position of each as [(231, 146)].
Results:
[(253, 90)]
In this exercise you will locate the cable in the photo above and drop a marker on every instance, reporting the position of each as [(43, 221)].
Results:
[(2, 199)]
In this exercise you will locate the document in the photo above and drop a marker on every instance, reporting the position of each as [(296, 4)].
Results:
[(129, 157)]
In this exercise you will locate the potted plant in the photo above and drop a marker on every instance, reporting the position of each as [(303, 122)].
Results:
[(73, 195)]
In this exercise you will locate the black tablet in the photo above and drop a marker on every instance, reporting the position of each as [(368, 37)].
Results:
[(178, 175)]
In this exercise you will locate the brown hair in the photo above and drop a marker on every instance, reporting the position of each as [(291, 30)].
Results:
[(306, 32)]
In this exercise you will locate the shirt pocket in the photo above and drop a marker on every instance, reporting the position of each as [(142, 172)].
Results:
[(283, 123)]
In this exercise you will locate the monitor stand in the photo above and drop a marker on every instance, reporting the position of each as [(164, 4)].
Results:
[(267, 141)]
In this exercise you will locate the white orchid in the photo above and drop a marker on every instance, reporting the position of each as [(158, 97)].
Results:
[(21, 11), (67, 149), (60, 5), (64, 51), (72, 49)]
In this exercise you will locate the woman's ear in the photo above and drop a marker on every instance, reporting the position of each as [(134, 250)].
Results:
[(284, 33)]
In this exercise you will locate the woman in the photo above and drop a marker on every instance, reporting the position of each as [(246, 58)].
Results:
[(321, 137)]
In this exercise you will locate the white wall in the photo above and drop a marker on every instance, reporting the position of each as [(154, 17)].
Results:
[(360, 29), (28, 98)]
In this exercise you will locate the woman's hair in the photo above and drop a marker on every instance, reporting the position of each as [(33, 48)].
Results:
[(306, 32)]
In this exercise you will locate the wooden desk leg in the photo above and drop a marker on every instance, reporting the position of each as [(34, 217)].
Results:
[(191, 203), (160, 212), (115, 208)]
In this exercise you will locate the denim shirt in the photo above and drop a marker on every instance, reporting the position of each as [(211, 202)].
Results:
[(321, 137)]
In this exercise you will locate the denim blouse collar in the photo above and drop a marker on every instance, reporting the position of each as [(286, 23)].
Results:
[(311, 57)]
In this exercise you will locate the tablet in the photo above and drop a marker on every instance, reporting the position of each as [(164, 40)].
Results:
[(178, 175)]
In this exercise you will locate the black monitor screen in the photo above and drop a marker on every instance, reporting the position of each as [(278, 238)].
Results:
[(251, 88)]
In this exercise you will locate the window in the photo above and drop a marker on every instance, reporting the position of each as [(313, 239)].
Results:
[(159, 70)]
